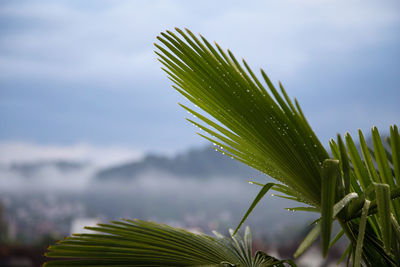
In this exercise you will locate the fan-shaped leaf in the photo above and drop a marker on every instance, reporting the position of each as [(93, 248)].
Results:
[(139, 243), (267, 132)]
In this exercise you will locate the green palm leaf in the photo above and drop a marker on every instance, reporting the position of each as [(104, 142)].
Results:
[(259, 127), (140, 243)]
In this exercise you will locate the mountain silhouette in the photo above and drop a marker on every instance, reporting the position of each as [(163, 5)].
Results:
[(195, 163)]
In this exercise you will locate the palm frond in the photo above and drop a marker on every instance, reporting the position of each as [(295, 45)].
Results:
[(140, 243), (259, 127)]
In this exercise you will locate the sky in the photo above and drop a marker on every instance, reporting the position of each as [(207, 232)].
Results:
[(81, 77)]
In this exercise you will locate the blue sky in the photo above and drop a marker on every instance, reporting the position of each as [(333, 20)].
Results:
[(84, 72)]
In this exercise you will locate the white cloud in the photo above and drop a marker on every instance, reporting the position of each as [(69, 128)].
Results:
[(11, 152), (46, 179)]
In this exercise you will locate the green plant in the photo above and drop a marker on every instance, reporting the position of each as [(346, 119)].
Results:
[(264, 129), (139, 243)]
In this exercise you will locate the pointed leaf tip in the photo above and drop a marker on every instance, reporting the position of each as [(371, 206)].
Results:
[(260, 195)]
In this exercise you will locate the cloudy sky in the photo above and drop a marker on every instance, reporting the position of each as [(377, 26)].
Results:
[(83, 74)]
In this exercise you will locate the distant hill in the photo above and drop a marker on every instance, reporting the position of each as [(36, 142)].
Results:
[(31, 168), (196, 163)]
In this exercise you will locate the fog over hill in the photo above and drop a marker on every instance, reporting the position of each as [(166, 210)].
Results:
[(76, 174), (194, 163), (197, 188)]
